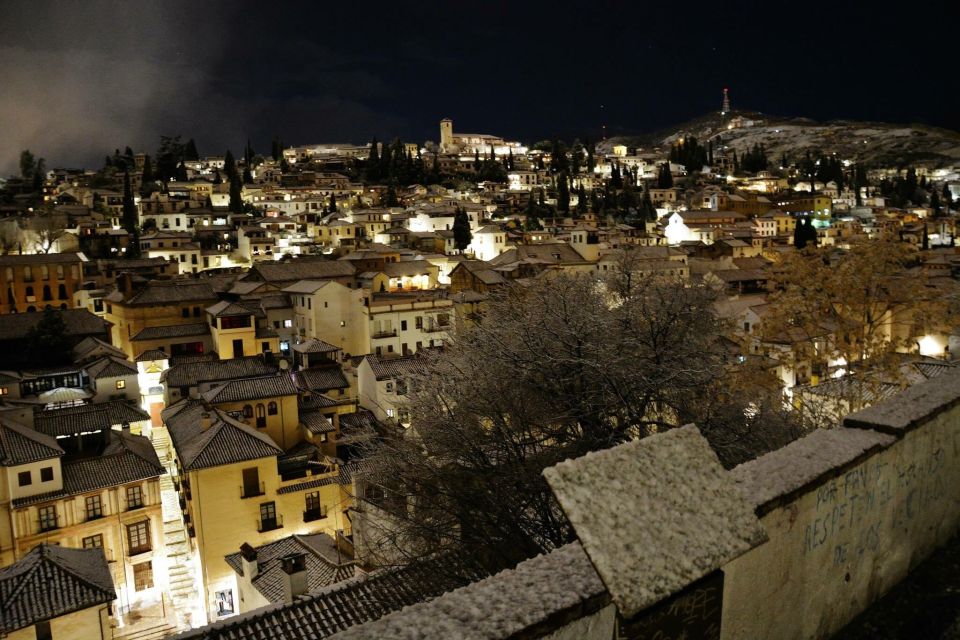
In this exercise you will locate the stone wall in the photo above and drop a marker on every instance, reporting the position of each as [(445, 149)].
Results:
[(846, 514)]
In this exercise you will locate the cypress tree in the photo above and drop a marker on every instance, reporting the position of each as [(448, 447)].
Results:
[(236, 198), (190, 151), (129, 208), (461, 230), (373, 161), (563, 193), (229, 166), (333, 203)]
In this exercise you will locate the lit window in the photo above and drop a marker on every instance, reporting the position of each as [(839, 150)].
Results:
[(121, 384)]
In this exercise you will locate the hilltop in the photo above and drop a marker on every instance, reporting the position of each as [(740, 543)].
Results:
[(874, 143)]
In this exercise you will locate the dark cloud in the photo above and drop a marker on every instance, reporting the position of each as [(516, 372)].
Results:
[(79, 79)]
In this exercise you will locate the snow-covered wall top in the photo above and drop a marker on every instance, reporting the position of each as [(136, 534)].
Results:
[(523, 599), (781, 474), (911, 407), (655, 515)]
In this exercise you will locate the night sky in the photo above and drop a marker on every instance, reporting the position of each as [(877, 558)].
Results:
[(80, 79)]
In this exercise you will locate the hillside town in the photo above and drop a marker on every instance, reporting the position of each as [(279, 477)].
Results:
[(218, 369)]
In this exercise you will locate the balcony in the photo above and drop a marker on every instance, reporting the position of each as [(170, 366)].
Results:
[(269, 524), (252, 492), (132, 506), (385, 334), (435, 328), (135, 551), (314, 514)]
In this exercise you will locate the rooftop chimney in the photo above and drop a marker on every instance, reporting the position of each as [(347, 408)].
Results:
[(206, 420), (294, 569), (248, 561)]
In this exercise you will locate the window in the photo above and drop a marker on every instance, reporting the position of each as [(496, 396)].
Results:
[(134, 497), (121, 384), (225, 602), (138, 537), (314, 510), (247, 411), (94, 507), (48, 518), (418, 322), (268, 516), (287, 324), (389, 387), (24, 479), (403, 325), (272, 408), (234, 322), (265, 347), (196, 312), (143, 576), (46, 474), (185, 312), (261, 416), (93, 542)]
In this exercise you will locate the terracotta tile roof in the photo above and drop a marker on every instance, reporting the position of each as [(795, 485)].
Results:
[(341, 606), (152, 355), (387, 368), (162, 292), (226, 441), (79, 322), (190, 374), (324, 566), (300, 269), (314, 345), (316, 423), (126, 458), (22, 445), (258, 388), (52, 581), (111, 367), (88, 417), (322, 378), (172, 331)]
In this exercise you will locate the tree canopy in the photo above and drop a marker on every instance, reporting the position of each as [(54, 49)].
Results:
[(553, 370)]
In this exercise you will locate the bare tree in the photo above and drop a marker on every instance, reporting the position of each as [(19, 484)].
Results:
[(558, 366), (47, 228), (9, 236), (853, 312)]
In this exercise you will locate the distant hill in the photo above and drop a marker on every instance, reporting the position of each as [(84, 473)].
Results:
[(874, 143)]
